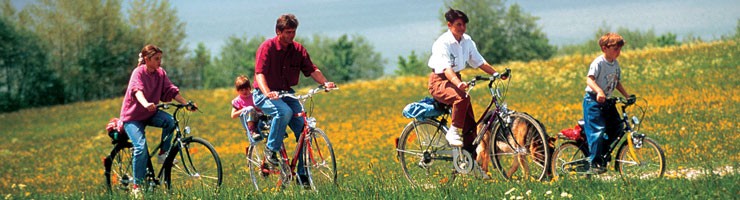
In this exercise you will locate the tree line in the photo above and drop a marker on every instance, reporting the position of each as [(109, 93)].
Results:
[(63, 51)]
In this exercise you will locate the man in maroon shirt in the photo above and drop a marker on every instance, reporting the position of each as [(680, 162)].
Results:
[(279, 62)]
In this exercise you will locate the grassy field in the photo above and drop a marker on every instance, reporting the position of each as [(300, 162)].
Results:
[(692, 91)]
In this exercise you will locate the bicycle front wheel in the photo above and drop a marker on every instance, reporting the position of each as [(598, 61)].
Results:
[(647, 162), (424, 154), (199, 167), (119, 174), (319, 160), (520, 149)]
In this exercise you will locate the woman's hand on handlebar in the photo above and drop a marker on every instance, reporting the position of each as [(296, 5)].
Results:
[(150, 106), (192, 107)]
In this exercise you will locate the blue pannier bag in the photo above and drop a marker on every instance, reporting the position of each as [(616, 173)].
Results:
[(422, 110)]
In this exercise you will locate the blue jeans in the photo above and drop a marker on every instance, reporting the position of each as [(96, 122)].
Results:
[(135, 131), (283, 114), (602, 122)]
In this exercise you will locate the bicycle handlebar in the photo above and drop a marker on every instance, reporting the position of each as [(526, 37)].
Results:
[(626, 101), (491, 78), (189, 106), (307, 95)]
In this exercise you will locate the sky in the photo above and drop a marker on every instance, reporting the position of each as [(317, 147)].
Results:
[(396, 27)]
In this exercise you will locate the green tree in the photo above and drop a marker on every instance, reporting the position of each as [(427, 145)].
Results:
[(344, 59), (411, 65), (668, 39), (236, 58), (502, 34), (200, 60), (89, 44), (25, 80), (155, 22)]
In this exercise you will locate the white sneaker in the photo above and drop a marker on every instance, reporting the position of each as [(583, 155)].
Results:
[(161, 157), (136, 193), (453, 138)]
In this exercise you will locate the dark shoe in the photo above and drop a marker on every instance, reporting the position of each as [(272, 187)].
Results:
[(271, 157), (264, 167), (596, 168), (303, 180)]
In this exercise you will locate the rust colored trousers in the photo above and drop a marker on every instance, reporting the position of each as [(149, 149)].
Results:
[(463, 117)]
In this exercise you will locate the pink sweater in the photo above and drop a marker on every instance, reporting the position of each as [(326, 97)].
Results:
[(156, 87)]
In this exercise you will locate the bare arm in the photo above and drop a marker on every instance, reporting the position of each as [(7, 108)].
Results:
[(142, 100), (621, 89), (487, 68), (235, 113), (182, 100), (319, 78), (452, 77), (600, 96), (262, 83)]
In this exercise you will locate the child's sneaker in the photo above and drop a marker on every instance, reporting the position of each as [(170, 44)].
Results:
[(162, 156), (453, 138), (256, 136), (136, 192)]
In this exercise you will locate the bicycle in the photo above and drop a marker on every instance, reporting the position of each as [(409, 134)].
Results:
[(422, 142), (199, 165), (638, 156), (318, 154)]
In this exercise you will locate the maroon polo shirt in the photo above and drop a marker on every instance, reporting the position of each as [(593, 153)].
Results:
[(281, 66)]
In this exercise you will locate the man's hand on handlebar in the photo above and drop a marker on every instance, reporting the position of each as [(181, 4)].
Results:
[(329, 85), (462, 85), (273, 95)]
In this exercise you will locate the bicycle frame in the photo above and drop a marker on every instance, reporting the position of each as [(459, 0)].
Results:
[(631, 127), (178, 137), (309, 124)]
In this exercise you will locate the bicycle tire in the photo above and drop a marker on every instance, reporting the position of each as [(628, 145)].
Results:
[(416, 149), (652, 169), (263, 176), (531, 151), (319, 160), (197, 170), (567, 152), (118, 165)]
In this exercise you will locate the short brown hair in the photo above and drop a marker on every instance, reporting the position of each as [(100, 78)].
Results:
[(611, 39), (242, 82), (452, 15), (286, 21)]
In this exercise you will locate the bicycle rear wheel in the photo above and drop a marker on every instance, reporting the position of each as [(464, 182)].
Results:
[(520, 149), (568, 153), (648, 161), (199, 167), (263, 176), (119, 175), (421, 151), (319, 160)]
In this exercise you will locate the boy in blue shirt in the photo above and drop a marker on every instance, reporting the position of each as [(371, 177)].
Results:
[(601, 117)]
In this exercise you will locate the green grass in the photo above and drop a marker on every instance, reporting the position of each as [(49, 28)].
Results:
[(692, 91)]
